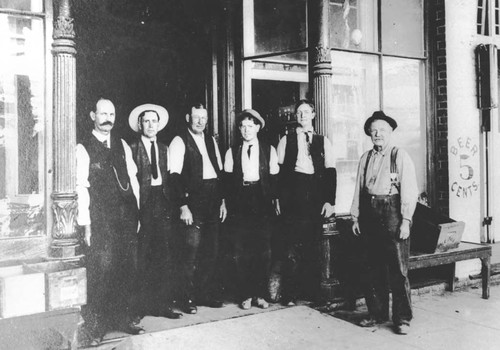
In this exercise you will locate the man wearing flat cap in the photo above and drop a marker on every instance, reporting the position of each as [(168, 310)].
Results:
[(195, 167), (385, 198), (155, 237), (308, 182), (251, 168)]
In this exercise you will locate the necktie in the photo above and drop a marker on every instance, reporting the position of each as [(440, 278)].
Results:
[(154, 169), (105, 143), (308, 142), (249, 150)]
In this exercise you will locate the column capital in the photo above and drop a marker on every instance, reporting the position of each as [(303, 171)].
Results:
[(322, 54), (63, 28)]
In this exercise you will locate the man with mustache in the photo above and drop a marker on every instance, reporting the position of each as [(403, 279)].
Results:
[(384, 201), (195, 166), (308, 181), (108, 194), (155, 237)]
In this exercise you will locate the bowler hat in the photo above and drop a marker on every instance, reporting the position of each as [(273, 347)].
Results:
[(379, 115), (133, 119), (251, 113)]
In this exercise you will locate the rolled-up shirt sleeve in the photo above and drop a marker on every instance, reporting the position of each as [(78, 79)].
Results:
[(281, 150), (82, 185), (409, 186), (274, 167), (329, 154), (228, 161), (176, 155), (217, 154), (357, 188)]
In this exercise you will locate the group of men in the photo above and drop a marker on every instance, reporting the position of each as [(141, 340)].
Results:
[(152, 214)]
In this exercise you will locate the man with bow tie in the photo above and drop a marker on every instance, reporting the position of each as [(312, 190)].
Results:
[(108, 194), (384, 201), (308, 182), (251, 168), (155, 253)]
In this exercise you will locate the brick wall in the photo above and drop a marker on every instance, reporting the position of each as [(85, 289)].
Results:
[(437, 33)]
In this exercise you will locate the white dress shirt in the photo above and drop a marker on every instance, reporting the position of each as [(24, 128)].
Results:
[(147, 145), (82, 176), (178, 149), (250, 166), (304, 162)]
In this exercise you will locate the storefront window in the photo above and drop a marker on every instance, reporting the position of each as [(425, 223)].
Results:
[(22, 119), (279, 25), (22, 5), (402, 27), (355, 96), (353, 24), (403, 100)]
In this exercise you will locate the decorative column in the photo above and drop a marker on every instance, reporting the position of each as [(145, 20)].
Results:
[(64, 235), (320, 64), (320, 71)]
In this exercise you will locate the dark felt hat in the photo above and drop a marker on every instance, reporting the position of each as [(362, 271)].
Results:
[(379, 115), (252, 113)]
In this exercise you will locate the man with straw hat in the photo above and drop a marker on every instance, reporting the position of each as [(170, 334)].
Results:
[(155, 237)]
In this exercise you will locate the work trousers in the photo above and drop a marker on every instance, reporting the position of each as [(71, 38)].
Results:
[(387, 258), (200, 242), (155, 254), (303, 222), (252, 241)]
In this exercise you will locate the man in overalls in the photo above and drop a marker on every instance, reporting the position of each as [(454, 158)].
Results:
[(385, 197)]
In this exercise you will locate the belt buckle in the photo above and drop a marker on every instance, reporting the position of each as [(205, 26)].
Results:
[(246, 183)]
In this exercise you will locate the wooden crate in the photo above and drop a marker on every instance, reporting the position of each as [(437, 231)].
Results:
[(432, 232), (22, 292), (65, 284)]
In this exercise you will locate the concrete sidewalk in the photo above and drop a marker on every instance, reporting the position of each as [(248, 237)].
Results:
[(459, 320)]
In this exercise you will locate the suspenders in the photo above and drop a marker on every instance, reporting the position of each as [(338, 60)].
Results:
[(394, 173)]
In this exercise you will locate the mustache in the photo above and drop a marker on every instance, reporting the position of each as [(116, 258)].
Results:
[(107, 123)]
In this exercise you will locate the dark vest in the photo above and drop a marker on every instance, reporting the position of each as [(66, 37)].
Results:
[(317, 154), (111, 195), (144, 176), (192, 169), (264, 156)]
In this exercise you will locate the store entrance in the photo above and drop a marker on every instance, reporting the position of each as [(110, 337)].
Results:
[(275, 101), (136, 52)]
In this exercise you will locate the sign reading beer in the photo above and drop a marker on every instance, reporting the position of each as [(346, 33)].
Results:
[(464, 183)]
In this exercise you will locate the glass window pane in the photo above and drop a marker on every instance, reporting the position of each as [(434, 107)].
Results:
[(356, 95), (22, 115), (404, 101), (280, 25), (22, 5), (402, 27), (353, 24)]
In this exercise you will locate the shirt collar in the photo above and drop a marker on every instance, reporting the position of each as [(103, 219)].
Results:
[(301, 129), (202, 135), (255, 141), (383, 151), (146, 140), (101, 137)]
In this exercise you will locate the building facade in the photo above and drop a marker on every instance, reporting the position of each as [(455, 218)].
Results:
[(415, 59)]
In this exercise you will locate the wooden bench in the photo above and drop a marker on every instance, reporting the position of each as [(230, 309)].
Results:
[(465, 251)]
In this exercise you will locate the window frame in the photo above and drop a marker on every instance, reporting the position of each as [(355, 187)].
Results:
[(428, 103), (36, 246)]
